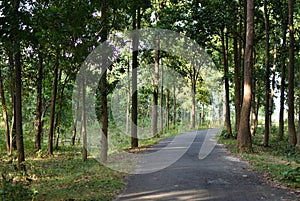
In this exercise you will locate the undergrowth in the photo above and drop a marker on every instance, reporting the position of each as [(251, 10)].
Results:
[(279, 161)]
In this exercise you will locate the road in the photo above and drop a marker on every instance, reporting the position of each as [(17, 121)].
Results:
[(209, 174)]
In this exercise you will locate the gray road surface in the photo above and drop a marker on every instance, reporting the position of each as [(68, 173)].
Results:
[(195, 177)]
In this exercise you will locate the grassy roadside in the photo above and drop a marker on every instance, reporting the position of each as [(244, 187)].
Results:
[(279, 163), (63, 176)]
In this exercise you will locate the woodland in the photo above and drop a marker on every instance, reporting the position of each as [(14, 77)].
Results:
[(45, 126)]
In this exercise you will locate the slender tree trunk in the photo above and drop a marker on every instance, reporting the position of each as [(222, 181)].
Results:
[(168, 109), (103, 89), (237, 83), (161, 100), (282, 84), (244, 135), (19, 130), (155, 90), (135, 44), (12, 132), (38, 116), (83, 122), (174, 106), (52, 113), (58, 116), (74, 131), (5, 117), (226, 80), (128, 99), (291, 113), (267, 77)]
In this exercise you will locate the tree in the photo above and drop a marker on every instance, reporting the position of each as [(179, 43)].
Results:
[(134, 106), (5, 116), (38, 118), (267, 76), (244, 136), (53, 103), (291, 76), (155, 90)]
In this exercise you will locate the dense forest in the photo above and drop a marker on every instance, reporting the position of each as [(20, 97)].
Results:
[(253, 46)]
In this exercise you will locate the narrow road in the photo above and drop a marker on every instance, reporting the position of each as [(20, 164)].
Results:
[(195, 176)]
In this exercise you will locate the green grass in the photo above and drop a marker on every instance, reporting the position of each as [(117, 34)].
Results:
[(279, 162), (63, 176)]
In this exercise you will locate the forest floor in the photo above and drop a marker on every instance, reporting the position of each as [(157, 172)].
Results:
[(219, 176)]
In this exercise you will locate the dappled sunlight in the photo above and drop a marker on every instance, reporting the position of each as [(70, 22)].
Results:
[(191, 195)]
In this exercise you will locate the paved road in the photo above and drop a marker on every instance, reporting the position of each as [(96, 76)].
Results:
[(219, 176)]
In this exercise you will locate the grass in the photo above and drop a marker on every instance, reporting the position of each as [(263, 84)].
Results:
[(279, 163), (63, 176)]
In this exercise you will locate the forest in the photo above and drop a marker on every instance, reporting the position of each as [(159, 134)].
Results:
[(190, 65)]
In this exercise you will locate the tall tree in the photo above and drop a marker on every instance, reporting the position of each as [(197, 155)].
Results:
[(291, 77), (224, 38), (244, 135), (53, 103), (103, 86), (134, 108), (267, 75), (38, 117), (5, 116), (155, 89)]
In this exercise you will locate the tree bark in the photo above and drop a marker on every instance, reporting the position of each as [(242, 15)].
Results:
[(38, 116), (267, 77), (237, 82), (282, 84), (168, 109), (161, 100), (134, 107), (226, 82), (83, 122), (291, 76), (19, 130), (5, 117), (155, 89), (74, 131), (244, 135), (103, 89), (52, 113)]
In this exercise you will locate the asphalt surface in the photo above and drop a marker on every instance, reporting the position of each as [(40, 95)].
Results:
[(206, 171)]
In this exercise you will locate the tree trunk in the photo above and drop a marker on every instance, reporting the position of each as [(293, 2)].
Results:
[(155, 90), (134, 112), (74, 131), (38, 116), (19, 130), (282, 84), (291, 72), (52, 113), (5, 117), (174, 106), (58, 116), (128, 99), (237, 83), (83, 122), (103, 89), (161, 100), (168, 109), (244, 135), (226, 80), (12, 132), (267, 77)]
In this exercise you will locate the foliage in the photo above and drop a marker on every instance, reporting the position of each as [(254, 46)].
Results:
[(279, 162)]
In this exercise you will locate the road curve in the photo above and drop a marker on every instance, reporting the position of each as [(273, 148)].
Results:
[(202, 174)]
